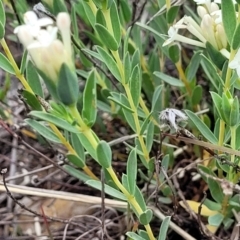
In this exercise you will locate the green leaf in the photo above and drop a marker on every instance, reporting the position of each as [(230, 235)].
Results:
[(216, 219), (145, 124), (108, 190), (77, 145), (116, 97), (136, 58), (132, 171), (87, 145), (100, 18), (156, 97), (164, 228), (150, 136), (33, 79), (140, 199), (135, 85), (115, 22), (211, 72), (24, 61), (168, 79), (143, 234), (50, 84), (234, 115), (126, 10), (67, 86), (236, 37), (104, 154), (89, 111), (89, 13), (77, 161), (146, 217), (216, 190), (53, 119), (174, 53), (197, 95), (2, 31), (193, 65), (110, 63), (59, 6), (127, 114), (43, 130), (125, 181), (134, 236), (76, 173), (229, 19), (172, 14), (31, 100), (217, 58), (2, 15), (217, 100), (5, 64), (226, 107), (202, 127), (127, 67), (164, 165), (106, 37)]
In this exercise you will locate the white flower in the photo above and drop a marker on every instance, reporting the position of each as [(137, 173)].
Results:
[(202, 1), (220, 1), (172, 117), (235, 63), (174, 36), (46, 51), (33, 24)]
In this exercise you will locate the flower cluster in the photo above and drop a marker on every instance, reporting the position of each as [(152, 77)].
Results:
[(39, 37), (209, 30), (172, 118)]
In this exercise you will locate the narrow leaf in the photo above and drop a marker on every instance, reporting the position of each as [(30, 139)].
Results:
[(168, 79), (5, 64), (104, 154), (43, 130), (164, 228), (135, 85), (106, 37), (132, 171), (67, 86), (110, 63), (53, 119), (115, 22), (89, 111), (108, 190), (229, 18), (33, 79), (202, 127)]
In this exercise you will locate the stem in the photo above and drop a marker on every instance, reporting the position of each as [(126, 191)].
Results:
[(131, 199), (229, 72), (221, 141), (233, 146), (84, 128), (183, 78), (18, 74)]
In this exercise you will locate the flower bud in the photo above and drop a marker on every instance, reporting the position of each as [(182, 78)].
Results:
[(201, 11)]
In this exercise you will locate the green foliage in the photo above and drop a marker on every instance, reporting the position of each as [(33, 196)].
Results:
[(143, 75)]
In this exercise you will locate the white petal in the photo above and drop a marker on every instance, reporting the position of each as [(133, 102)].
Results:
[(238, 71), (42, 22), (30, 17), (233, 64)]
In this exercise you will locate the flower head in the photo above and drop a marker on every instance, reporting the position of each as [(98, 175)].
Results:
[(46, 51), (235, 63), (51, 56), (172, 117)]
